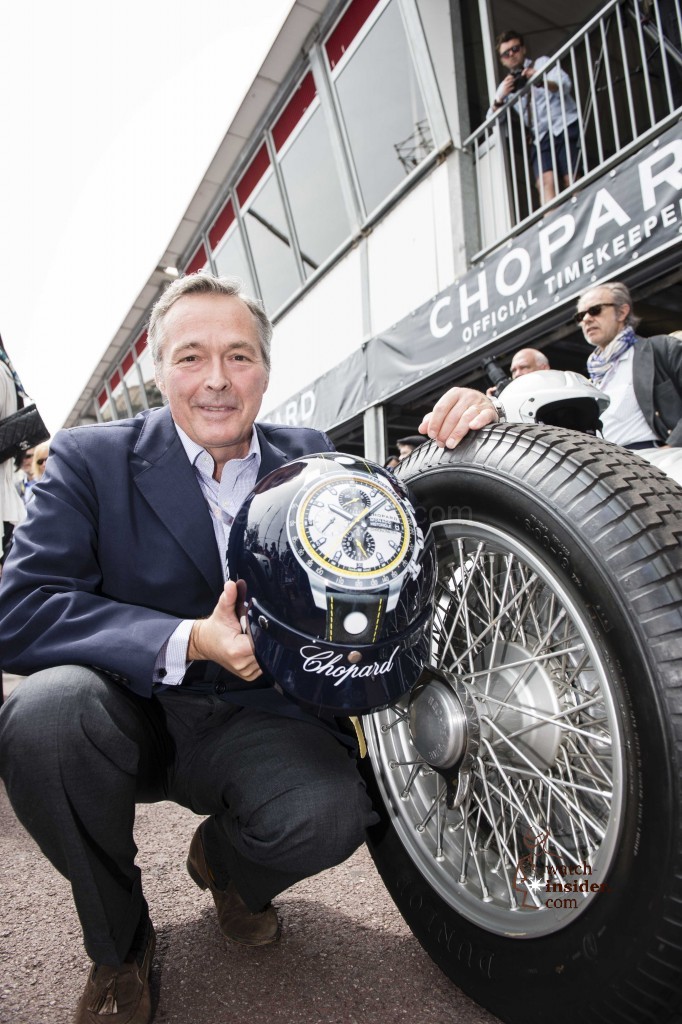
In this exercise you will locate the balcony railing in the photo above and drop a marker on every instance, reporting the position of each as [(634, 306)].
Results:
[(624, 72)]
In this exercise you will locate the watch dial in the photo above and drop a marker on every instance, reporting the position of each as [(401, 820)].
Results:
[(352, 530)]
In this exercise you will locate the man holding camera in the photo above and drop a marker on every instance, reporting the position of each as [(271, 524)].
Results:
[(526, 360), (548, 110)]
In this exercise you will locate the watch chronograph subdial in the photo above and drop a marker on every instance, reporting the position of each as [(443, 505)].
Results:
[(354, 500), (358, 545)]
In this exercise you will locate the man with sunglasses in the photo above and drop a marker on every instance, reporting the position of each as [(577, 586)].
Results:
[(548, 111), (641, 376)]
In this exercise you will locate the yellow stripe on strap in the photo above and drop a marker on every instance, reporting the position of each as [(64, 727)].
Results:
[(357, 725)]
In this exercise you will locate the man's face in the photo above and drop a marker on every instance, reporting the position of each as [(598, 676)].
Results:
[(404, 450), (601, 328), (523, 362), (512, 54), (212, 372)]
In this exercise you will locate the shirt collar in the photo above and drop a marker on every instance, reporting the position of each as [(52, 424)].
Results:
[(194, 450)]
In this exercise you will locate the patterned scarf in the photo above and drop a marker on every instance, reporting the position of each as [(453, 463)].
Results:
[(4, 358), (602, 362)]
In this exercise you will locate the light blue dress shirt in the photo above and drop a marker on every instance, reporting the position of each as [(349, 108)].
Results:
[(223, 497)]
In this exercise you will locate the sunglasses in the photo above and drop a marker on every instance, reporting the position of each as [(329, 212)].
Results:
[(510, 51), (41, 462), (592, 310)]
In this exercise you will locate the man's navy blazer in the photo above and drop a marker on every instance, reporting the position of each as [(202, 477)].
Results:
[(118, 548)]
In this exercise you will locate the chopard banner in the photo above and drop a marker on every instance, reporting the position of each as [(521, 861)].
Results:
[(616, 222), (332, 398)]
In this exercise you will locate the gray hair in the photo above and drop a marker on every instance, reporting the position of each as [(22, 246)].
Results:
[(620, 293), (203, 283)]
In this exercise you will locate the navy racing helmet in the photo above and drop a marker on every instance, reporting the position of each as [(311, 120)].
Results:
[(339, 581)]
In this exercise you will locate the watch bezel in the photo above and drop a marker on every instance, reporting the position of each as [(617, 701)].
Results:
[(346, 579)]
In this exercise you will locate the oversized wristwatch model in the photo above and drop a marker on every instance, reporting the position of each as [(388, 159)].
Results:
[(357, 541), (340, 581)]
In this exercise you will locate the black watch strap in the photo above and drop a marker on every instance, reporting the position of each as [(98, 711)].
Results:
[(345, 615)]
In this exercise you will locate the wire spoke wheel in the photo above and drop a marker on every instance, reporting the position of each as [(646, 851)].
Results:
[(543, 805), (529, 785)]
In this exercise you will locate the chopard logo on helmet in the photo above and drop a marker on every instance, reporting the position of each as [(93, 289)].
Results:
[(326, 663)]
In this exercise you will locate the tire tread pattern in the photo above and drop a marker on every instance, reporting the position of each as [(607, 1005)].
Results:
[(633, 513)]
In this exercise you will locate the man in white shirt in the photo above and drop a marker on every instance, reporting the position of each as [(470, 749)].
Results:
[(548, 110), (641, 376)]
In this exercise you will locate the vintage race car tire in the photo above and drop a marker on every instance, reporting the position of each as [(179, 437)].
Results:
[(559, 614)]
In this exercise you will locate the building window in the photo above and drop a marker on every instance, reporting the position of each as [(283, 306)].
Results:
[(296, 203), (198, 261), (146, 365), (133, 384), (226, 243), (266, 225), (118, 396), (305, 153), (104, 408), (383, 110)]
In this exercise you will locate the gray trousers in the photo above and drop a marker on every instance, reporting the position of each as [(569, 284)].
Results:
[(77, 752)]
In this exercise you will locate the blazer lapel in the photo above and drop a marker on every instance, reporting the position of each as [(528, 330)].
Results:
[(643, 378), (167, 481), (271, 457)]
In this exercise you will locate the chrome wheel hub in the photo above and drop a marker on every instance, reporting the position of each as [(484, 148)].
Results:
[(442, 719), (517, 697)]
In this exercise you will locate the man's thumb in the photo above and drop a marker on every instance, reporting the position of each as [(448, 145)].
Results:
[(227, 603)]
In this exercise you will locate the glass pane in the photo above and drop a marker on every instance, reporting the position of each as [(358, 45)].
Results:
[(271, 246), (230, 259), (119, 401), (105, 412), (134, 389), (474, 65), (146, 364), (383, 109), (319, 213)]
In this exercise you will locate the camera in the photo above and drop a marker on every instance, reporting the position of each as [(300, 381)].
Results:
[(519, 79), (496, 375)]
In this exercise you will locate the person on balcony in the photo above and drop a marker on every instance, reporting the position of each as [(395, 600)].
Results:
[(548, 110)]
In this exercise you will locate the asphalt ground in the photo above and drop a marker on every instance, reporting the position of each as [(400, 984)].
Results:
[(345, 957)]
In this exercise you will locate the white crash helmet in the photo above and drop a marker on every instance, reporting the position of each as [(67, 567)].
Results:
[(559, 398)]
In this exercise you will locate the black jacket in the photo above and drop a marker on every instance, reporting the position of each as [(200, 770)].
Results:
[(657, 379), (118, 548)]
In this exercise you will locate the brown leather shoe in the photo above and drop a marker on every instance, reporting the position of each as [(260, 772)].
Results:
[(235, 919), (119, 995)]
